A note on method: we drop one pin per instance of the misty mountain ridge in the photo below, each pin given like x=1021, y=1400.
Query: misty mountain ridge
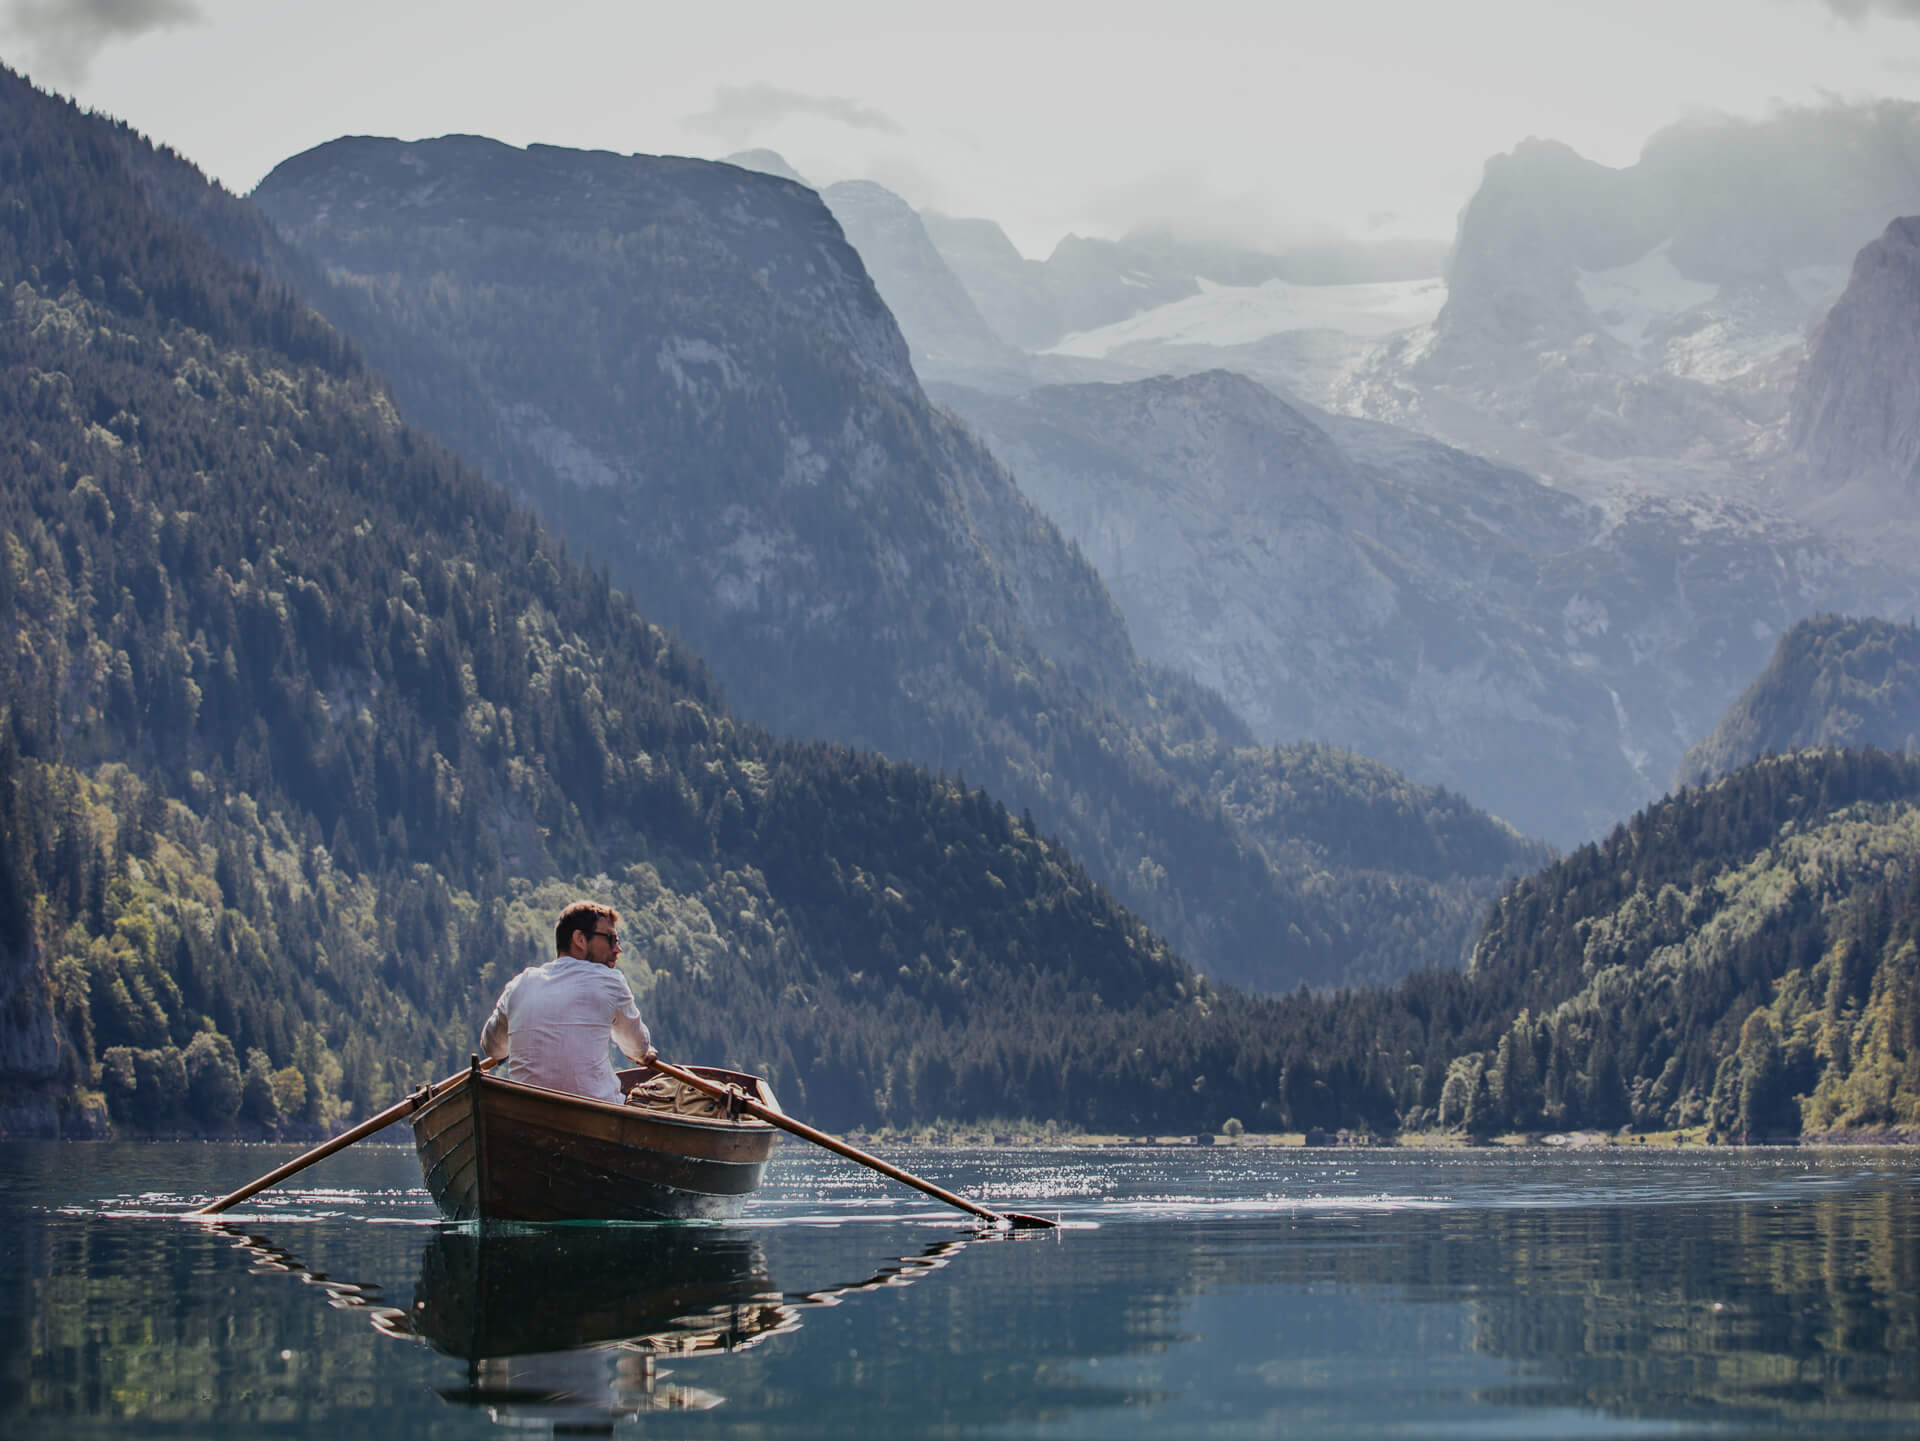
x=685, y=366
x=1635, y=329
x=1344, y=581
x=945, y=331
x=1600, y=699
x=1085, y=286
x=1642, y=328
x=1630, y=336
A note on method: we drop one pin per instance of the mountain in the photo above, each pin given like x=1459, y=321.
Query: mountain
x=1833, y=681
x=1633, y=330
x=767, y=162
x=308, y=731
x=944, y=331
x=1086, y=285
x=1740, y=959
x=1744, y=956
x=1657, y=312
x=1010, y=291
x=1855, y=420
x=686, y=369
x=1347, y=582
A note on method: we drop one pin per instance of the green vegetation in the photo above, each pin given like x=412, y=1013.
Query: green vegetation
x=1741, y=956
x=1833, y=681
x=307, y=732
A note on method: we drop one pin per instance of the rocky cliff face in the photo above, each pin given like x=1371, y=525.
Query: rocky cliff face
x=30, y=1080
x=687, y=365
x=1542, y=215
x=1655, y=313
x=1343, y=581
x=1856, y=408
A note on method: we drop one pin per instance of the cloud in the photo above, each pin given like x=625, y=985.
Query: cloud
x=1195, y=210
x=66, y=36
x=740, y=112
x=1859, y=10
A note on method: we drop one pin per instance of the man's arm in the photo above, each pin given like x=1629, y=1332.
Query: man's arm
x=629, y=1031
x=493, y=1035
x=630, y=1035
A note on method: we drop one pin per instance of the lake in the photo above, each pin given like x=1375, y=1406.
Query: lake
x=1207, y=1292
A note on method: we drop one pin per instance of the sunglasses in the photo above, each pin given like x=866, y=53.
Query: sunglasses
x=612, y=938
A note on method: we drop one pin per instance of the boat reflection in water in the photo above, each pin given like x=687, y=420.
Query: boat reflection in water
x=572, y=1324
x=535, y=1316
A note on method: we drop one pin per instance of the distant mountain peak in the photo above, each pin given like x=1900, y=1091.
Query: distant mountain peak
x=767, y=162
x=948, y=335
x=1856, y=410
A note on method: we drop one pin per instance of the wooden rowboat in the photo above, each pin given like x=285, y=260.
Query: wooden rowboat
x=499, y=1150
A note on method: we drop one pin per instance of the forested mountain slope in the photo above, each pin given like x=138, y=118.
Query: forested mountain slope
x=307, y=732
x=686, y=369
x=1833, y=681
x=1743, y=957
x=1745, y=954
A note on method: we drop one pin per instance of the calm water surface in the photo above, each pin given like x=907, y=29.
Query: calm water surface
x=1218, y=1293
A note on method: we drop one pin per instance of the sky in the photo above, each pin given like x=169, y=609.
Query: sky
x=1259, y=124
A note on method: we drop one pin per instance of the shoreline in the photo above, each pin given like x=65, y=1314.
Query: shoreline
x=959, y=1138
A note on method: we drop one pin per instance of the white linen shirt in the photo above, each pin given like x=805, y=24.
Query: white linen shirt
x=553, y=1022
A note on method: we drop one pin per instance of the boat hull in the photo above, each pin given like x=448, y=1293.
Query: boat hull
x=494, y=1150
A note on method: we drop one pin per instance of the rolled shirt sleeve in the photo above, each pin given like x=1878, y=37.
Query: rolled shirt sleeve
x=494, y=1034
x=629, y=1031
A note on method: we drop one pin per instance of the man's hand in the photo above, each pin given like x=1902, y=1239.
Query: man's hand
x=650, y=1057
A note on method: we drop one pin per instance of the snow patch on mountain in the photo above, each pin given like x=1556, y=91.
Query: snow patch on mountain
x=570, y=458
x=1223, y=315
x=1630, y=300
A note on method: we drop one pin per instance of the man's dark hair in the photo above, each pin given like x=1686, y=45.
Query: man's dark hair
x=580, y=916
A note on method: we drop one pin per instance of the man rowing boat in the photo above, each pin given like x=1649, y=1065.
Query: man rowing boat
x=553, y=1020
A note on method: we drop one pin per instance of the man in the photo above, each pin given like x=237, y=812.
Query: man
x=553, y=1020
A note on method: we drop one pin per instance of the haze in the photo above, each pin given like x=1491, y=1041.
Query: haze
x=1253, y=124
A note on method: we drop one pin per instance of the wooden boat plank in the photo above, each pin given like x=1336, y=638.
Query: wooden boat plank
x=626, y=1125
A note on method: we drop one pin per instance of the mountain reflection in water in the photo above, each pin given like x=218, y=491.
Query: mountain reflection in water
x=1211, y=1293
x=569, y=1324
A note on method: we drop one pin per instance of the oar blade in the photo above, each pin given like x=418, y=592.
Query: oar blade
x=1019, y=1221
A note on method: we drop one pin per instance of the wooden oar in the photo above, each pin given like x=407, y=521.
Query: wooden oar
x=338, y=1143
x=734, y=1096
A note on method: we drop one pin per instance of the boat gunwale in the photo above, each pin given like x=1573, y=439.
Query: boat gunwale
x=567, y=1100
